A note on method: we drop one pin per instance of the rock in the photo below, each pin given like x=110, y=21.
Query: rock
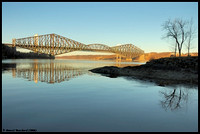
x=161, y=84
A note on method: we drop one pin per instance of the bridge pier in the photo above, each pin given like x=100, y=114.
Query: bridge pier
x=52, y=44
x=14, y=44
x=36, y=43
x=118, y=57
x=128, y=59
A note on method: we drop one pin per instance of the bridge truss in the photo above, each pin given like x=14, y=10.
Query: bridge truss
x=53, y=44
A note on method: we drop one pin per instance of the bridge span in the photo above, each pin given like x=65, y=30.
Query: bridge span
x=53, y=44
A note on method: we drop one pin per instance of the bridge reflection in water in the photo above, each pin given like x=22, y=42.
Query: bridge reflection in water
x=55, y=72
x=47, y=72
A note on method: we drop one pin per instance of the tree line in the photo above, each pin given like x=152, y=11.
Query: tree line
x=11, y=53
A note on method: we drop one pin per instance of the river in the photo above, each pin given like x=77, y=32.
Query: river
x=63, y=96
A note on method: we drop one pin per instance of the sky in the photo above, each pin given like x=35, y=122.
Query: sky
x=109, y=23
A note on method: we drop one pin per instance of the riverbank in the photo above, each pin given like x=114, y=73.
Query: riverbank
x=11, y=53
x=163, y=71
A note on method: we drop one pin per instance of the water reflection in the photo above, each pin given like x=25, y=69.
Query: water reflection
x=8, y=66
x=90, y=103
x=47, y=72
x=50, y=73
x=174, y=99
x=54, y=71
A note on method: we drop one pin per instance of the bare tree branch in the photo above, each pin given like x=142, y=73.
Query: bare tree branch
x=177, y=31
x=191, y=36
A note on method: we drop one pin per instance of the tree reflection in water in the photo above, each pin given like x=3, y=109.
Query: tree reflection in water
x=174, y=99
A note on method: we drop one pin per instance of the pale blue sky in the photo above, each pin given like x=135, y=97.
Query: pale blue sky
x=109, y=23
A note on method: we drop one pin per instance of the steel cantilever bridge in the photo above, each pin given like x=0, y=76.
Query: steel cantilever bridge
x=53, y=44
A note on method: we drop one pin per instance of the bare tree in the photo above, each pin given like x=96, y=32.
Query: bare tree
x=173, y=48
x=191, y=36
x=177, y=31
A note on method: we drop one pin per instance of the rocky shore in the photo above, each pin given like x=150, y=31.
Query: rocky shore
x=164, y=71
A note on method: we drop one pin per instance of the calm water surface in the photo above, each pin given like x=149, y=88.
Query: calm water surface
x=62, y=95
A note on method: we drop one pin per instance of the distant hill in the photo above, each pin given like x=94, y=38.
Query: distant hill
x=155, y=55
x=89, y=57
x=145, y=57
